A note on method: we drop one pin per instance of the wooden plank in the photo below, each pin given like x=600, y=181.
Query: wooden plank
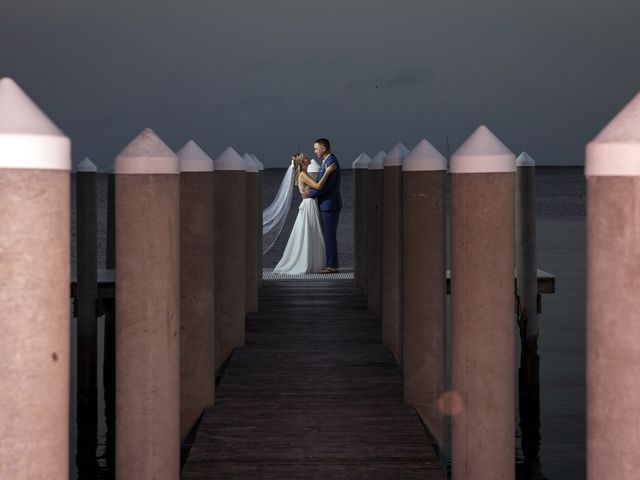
x=313, y=394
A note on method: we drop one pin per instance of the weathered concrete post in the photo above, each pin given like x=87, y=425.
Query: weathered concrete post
x=251, y=233
x=87, y=331
x=392, y=250
x=374, y=233
x=197, y=324
x=424, y=289
x=35, y=160
x=109, y=361
x=148, y=307
x=259, y=264
x=360, y=170
x=612, y=168
x=229, y=257
x=526, y=262
x=482, y=314
x=527, y=290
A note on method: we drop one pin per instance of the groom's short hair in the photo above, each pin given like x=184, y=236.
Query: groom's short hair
x=325, y=143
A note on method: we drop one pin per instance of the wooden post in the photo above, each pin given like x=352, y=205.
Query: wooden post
x=424, y=290
x=374, y=233
x=229, y=257
x=392, y=250
x=360, y=170
x=482, y=313
x=251, y=234
x=612, y=168
x=87, y=331
x=35, y=160
x=148, y=306
x=197, y=324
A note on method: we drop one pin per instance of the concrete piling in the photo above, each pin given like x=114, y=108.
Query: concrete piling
x=35, y=161
x=375, y=174
x=360, y=171
x=229, y=257
x=612, y=170
x=251, y=231
x=424, y=284
x=87, y=330
x=197, y=323
x=482, y=314
x=526, y=262
x=392, y=250
x=259, y=264
x=148, y=308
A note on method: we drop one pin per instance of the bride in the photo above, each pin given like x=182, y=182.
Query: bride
x=304, y=252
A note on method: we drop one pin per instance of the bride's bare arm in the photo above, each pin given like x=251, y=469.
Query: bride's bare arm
x=317, y=185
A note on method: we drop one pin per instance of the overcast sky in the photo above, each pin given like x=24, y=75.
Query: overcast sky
x=269, y=77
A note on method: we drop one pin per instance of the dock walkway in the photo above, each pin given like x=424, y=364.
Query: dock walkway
x=312, y=395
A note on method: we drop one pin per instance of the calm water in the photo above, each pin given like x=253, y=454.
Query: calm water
x=561, y=251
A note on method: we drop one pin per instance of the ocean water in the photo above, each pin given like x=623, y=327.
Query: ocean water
x=561, y=251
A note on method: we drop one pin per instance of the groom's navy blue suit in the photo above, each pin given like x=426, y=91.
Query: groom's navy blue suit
x=330, y=203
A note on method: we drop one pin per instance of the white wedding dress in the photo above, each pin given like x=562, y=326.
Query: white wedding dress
x=304, y=252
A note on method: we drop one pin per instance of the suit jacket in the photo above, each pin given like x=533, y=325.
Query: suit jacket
x=329, y=198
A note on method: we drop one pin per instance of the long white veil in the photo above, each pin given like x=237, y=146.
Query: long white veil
x=274, y=216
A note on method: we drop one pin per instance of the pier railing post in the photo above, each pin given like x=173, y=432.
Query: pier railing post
x=612, y=170
x=148, y=309
x=35, y=160
x=197, y=324
x=482, y=314
x=374, y=233
x=251, y=233
x=360, y=170
x=87, y=326
x=229, y=258
x=392, y=250
x=424, y=289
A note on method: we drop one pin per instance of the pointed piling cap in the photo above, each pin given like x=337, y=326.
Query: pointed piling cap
x=424, y=157
x=260, y=165
x=362, y=162
x=314, y=166
x=252, y=165
x=147, y=154
x=482, y=152
x=230, y=160
x=525, y=160
x=616, y=149
x=28, y=138
x=377, y=161
x=396, y=155
x=86, y=166
x=193, y=159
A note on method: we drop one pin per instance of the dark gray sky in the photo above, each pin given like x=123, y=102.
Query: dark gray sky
x=271, y=76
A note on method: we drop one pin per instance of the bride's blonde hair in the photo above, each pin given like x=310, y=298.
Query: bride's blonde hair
x=296, y=160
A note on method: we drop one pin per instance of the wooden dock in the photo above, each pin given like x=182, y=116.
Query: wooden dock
x=313, y=394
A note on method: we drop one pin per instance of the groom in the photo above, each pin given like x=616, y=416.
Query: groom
x=329, y=201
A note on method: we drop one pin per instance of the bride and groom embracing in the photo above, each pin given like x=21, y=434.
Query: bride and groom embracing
x=312, y=246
